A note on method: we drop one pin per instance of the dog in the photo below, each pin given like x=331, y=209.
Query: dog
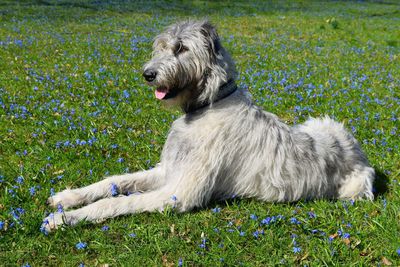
x=223, y=145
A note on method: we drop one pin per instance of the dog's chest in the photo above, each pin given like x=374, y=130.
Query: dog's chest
x=187, y=137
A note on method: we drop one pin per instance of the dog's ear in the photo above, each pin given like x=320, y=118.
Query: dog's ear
x=215, y=74
x=210, y=33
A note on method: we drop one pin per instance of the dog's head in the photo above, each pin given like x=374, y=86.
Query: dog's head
x=188, y=64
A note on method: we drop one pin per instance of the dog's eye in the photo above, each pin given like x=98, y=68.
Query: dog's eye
x=180, y=48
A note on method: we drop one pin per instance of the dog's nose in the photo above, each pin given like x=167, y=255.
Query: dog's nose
x=149, y=75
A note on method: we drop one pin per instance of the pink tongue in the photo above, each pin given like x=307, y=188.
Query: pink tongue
x=160, y=93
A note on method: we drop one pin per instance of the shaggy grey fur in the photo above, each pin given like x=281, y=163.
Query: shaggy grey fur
x=224, y=145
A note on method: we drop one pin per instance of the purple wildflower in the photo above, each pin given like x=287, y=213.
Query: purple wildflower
x=203, y=243
x=296, y=250
x=114, y=190
x=81, y=245
x=19, y=179
x=312, y=215
x=32, y=191
x=339, y=232
x=216, y=210
x=293, y=220
x=256, y=234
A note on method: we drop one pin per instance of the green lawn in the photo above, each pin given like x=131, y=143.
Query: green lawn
x=74, y=108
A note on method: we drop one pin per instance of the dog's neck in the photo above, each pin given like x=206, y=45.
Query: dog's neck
x=224, y=91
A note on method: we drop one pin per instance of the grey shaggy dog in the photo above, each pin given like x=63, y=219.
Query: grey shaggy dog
x=223, y=145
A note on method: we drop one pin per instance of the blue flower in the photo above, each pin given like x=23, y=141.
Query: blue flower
x=19, y=179
x=60, y=208
x=296, y=250
x=339, y=232
x=346, y=235
x=114, y=146
x=2, y=225
x=398, y=252
x=253, y=217
x=216, y=210
x=266, y=221
x=126, y=94
x=257, y=233
x=105, y=228
x=203, y=243
x=114, y=190
x=180, y=262
x=81, y=245
x=32, y=191
x=293, y=220
x=43, y=227
x=132, y=235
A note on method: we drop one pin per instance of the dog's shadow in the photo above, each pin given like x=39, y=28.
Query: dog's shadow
x=380, y=186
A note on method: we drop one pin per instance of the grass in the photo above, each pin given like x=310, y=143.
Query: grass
x=74, y=108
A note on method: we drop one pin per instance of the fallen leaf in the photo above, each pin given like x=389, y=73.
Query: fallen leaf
x=304, y=257
x=166, y=262
x=58, y=172
x=333, y=236
x=386, y=262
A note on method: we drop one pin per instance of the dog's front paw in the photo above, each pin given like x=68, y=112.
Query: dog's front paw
x=67, y=198
x=52, y=222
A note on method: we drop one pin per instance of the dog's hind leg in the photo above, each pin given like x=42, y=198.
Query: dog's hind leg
x=358, y=184
x=110, y=186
